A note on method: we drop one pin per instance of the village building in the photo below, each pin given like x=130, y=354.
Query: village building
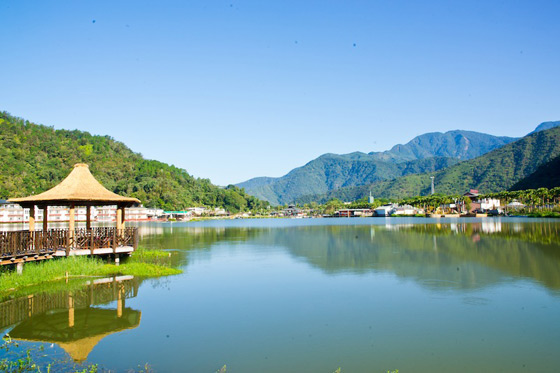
x=480, y=204
x=406, y=210
x=294, y=211
x=350, y=213
x=385, y=210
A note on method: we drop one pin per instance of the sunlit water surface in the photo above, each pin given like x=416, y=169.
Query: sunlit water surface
x=312, y=295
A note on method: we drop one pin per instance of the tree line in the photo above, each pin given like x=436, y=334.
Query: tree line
x=37, y=157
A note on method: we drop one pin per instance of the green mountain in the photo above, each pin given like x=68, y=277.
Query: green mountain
x=546, y=176
x=426, y=153
x=455, y=144
x=545, y=126
x=533, y=156
x=36, y=157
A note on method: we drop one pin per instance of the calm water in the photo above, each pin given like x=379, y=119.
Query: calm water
x=311, y=295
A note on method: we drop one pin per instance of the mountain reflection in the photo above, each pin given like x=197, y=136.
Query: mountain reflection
x=73, y=319
x=449, y=255
x=465, y=256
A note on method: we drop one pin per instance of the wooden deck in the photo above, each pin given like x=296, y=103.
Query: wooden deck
x=25, y=246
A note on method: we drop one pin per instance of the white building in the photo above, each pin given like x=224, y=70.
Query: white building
x=405, y=210
x=489, y=204
x=385, y=210
x=197, y=210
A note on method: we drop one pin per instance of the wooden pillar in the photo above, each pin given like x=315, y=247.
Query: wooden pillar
x=123, y=218
x=88, y=217
x=32, y=218
x=30, y=305
x=70, y=310
x=119, y=218
x=71, y=224
x=120, y=301
x=45, y=218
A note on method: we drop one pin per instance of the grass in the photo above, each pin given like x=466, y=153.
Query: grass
x=143, y=263
x=544, y=214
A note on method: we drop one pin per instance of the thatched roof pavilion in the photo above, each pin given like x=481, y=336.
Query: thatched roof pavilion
x=79, y=188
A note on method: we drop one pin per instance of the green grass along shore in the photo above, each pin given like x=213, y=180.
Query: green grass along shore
x=143, y=263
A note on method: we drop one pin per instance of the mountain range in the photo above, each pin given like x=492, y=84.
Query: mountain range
x=429, y=152
x=530, y=162
x=395, y=172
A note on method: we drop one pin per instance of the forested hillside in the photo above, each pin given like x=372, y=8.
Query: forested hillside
x=36, y=157
x=457, y=144
x=333, y=171
x=546, y=176
x=493, y=172
x=425, y=153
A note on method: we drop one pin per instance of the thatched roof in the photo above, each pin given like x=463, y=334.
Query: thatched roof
x=91, y=326
x=79, y=187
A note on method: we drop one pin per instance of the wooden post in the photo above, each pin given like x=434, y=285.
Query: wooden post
x=30, y=305
x=120, y=301
x=71, y=224
x=31, y=231
x=123, y=218
x=91, y=241
x=32, y=218
x=70, y=310
x=45, y=218
x=115, y=241
x=44, y=241
x=119, y=218
x=88, y=217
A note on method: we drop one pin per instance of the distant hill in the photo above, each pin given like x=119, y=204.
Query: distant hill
x=547, y=176
x=426, y=153
x=545, y=126
x=457, y=144
x=36, y=157
x=531, y=158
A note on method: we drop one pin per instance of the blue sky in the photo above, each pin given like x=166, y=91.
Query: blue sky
x=231, y=90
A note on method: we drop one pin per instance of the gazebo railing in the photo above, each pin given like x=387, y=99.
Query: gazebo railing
x=22, y=243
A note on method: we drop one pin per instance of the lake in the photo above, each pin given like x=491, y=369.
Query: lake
x=312, y=295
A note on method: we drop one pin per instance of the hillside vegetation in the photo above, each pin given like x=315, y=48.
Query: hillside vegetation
x=498, y=170
x=546, y=176
x=426, y=153
x=36, y=157
x=457, y=144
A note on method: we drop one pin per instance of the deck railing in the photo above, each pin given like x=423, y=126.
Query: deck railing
x=25, y=243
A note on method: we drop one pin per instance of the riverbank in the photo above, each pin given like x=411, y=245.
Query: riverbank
x=143, y=263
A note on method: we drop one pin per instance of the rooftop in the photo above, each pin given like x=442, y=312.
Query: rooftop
x=78, y=187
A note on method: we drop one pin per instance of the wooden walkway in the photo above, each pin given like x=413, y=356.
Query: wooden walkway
x=25, y=246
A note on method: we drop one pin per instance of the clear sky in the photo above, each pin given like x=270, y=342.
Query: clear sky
x=231, y=90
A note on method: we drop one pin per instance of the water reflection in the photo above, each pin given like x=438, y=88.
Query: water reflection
x=452, y=254
x=76, y=320
x=464, y=256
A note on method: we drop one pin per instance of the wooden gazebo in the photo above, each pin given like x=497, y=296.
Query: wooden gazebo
x=79, y=188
